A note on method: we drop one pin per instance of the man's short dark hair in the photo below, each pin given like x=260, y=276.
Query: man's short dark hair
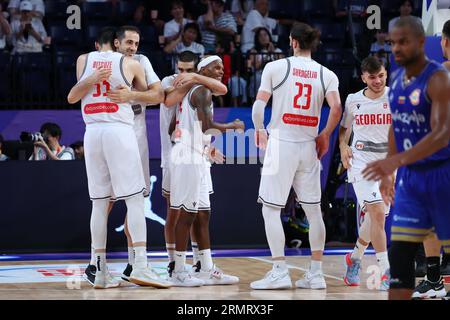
x=412, y=23
x=307, y=36
x=188, y=56
x=371, y=65
x=176, y=3
x=52, y=128
x=76, y=144
x=106, y=36
x=446, y=29
x=120, y=33
x=402, y=2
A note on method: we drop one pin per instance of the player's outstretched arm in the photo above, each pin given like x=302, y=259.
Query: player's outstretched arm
x=83, y=87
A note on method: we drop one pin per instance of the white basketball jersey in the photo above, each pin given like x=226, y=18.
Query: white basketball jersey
x=298, y=87
x=96, y=107
x=370, y=120
x=165, y=117
x=188, y=127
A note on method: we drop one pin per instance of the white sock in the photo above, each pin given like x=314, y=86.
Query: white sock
x=383, y=261
x=92, y=255
x=358, y=250
x=140, y=257
x=170, y=247
x=316, y=226
x=136, y=218
x=274, y=231
x=131, y=255
x=279, y=265
x=195, y=257
x=205, y=259
x=180, y=260
x=100, y=261
x=315, y=266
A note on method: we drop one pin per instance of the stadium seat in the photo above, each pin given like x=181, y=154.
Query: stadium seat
x=62, y=35
x=291, y=9
x=331, y=33
x=317, y=9
x=33, y=71
x=65, y=72
x=97, y=10
x=126, y=10
x=6, y=71
x=56, y=10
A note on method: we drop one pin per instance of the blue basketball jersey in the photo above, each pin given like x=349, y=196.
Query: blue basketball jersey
x=411, y=111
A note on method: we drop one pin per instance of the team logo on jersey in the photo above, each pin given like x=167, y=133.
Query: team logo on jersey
x=414, y=97
x=194, y=204
x=358, y=106
x=374, y=194
x=359, y=145
x=385, y=105
x=401, y=100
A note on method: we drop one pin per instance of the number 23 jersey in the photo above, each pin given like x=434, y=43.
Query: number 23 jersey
x=298, y=86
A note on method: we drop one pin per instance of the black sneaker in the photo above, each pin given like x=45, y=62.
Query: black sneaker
x=127, y=272
x=447, y=297
x=427, y=289
x=89, y=273
x=445, y=265
x=170, y=268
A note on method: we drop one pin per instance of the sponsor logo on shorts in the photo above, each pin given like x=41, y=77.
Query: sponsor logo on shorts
x=359, y=146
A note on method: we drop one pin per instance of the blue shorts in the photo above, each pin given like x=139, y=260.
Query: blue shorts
x=422, y=204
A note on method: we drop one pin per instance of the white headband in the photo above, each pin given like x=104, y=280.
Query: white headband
x=207, y=61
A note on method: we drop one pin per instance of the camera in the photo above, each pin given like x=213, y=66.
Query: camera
x=30, y=137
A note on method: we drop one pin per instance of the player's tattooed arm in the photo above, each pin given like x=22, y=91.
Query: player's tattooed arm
x=82, y=88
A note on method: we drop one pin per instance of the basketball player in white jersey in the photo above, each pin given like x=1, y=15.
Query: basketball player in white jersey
x=188, y=168
x=112, y=157
x=175, y=88
x=298, y=85
x=368, y=115
x=127, y=43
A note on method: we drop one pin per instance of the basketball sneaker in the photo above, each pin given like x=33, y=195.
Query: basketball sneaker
x=89, y=273
x=147, y=277
x=351, y=277
x=312, y=281
x=104, y=280
x=427, y=289
x=273, y=280
x=127, y=272
x=215, y=276
x=385, y=279
x=185, y=279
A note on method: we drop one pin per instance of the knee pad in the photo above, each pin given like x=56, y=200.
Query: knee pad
x=401, y=260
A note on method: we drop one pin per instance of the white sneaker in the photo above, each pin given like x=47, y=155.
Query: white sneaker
x=104, y=280
x=273, y=280
x=312, y=281
x=185, y=279
x=215, y=276
x=147, y=277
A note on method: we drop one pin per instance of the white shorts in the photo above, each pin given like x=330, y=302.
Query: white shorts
x=140, y=129
x=286, y=165
x=189, y=183
x=368, y=192
x=113, y=164
x=165, y=182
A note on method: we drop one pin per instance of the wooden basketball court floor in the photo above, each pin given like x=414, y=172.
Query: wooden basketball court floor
x=61, y=279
